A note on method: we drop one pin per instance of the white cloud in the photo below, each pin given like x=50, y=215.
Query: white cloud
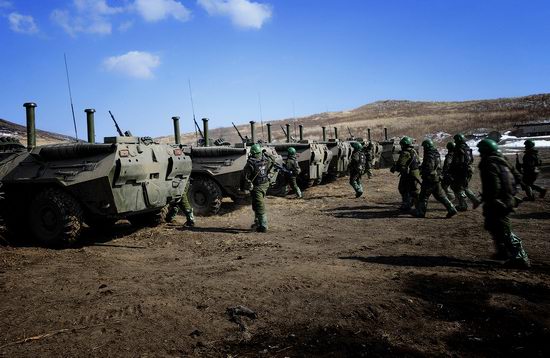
x=243, y=13
x=134, y=64
x=23, y=24
x=125, y=26
x=86, y=16
x=5, y=4
x=156, y=10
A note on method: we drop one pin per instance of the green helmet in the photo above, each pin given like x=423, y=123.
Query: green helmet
x=427, y=143
x=291, y=151
x=459, y=138
x=451, y=146
x=255, y=149
x=529, y=143
x=356, y=145
x=406, y=142
x=487, y=146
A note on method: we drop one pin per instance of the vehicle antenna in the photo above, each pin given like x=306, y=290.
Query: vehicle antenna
x=192, y=107
x=70, y=96
x=261, y=116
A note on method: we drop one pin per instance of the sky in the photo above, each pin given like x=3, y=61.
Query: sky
x=260, y=59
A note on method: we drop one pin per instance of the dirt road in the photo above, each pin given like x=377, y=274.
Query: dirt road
x=335, y=276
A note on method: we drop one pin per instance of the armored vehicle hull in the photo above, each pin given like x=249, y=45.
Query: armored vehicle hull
x=50, y=190
x=341, y=156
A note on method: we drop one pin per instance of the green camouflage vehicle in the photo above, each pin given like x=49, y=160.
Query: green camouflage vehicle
x=49, y=191
x=341, y=156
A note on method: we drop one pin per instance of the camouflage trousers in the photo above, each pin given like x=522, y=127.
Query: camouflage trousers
x=428, y=188
x=294, y=186
x=408, y=188
x=355, y=181
x=506, y=242
x=462, y=192
x=368, y=172
x=530, y=186
x=184, y=205
x=258, y=194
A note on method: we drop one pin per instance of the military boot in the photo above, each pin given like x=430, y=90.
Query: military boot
x=451, y=210
x=262, y=223
x=299, y=194
x=473, y=198
x=518, y=256
x=190, y=218
x=255, y=224
x=530, y=196
x=421, y=209
x=405, y=203
x=462, y=203
x=172, y=213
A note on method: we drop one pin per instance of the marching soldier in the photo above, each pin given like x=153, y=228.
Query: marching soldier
x=408, y=168
x=357, y=168
x=431, y=165
x=256, y=179
x=461, y=171
x=183, y=205
x=530, y=168
x=369, y=156
x=498, y=183
x=446, y=178
x=291, y=164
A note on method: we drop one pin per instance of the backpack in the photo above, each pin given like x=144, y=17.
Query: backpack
x=508, y=185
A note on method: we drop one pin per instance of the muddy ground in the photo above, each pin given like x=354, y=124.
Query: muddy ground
x=334, y=276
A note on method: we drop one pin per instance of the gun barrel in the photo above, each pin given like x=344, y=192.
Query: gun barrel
x=116, y=125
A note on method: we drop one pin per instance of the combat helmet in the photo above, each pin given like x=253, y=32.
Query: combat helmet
x=451, y=146
x=255, y=149
x=406, y=142
x=291, y=151
x=487, y=146
x=529, y=143
x=427, y=143
x=459, y=138
x=356, y=145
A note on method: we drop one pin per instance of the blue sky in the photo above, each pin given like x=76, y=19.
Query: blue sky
x=135, y=57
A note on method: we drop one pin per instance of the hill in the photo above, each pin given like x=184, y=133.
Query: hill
x=8, y=128
x=413, y=118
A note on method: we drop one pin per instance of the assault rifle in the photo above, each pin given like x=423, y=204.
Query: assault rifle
x=282, y=169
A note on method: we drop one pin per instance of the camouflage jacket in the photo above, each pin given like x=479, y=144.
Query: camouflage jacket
x=447, y=164
x=499, y=181
x=531, y=161
x=292, y=164
x=256, y=171
x=431, y=165
x=462, y=161
x=369, y=154
x=407, y=163
x=358, y=162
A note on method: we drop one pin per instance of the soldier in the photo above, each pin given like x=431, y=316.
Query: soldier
x=357, y=168
x=461, y=171
x=446, y=178
x=291, y=164
x=431, y=165
x=498, y=184
x=256, y=179
x=183, y=205
x=530, y=168
x=408, y=167
x=369, y=155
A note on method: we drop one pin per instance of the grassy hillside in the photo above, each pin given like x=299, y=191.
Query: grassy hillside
x=8, y=128
x=415, y=119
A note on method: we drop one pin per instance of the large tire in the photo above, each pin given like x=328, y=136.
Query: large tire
x=152, y=218
x=55, y=218
x=205, y=196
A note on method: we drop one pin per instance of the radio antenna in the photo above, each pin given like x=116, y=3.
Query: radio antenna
x=261, y=116
x=192, y=107
x=70, y=95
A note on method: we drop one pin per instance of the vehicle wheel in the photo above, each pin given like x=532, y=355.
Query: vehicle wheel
x=280, y=188
x=205, y=196
x=55, y=217
x=152, y=218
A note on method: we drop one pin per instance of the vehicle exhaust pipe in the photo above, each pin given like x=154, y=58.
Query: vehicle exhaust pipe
x=335, y=132
x=268, y=132
x=368, y=133
x=301, y=129
x=253, y=132
x=31, y=129
x=288, y=133
x=324, y=134
x=385, y=133
x=177, y=134
x=91, y=124
x=205, y=131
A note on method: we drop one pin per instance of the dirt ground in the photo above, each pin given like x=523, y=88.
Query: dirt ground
x=334, y=276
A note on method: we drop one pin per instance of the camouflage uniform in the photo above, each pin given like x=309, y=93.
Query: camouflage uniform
x=408, y=168
x=183, y=205
x=530, y=169
x=431, y=184
x=256, y=179
x=369, y=156
x=461, y=172
x=498, y=181
x=356, y=170
x=292, y=164
x=446, y=179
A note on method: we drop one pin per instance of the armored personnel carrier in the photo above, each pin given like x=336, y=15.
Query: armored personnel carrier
x=49, y=191
x=217, y=171
x=341, y=155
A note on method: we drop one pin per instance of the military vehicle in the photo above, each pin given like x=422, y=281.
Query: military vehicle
x=341, y=155
x=217, y=171
x=386, y=151
x=49, y=191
